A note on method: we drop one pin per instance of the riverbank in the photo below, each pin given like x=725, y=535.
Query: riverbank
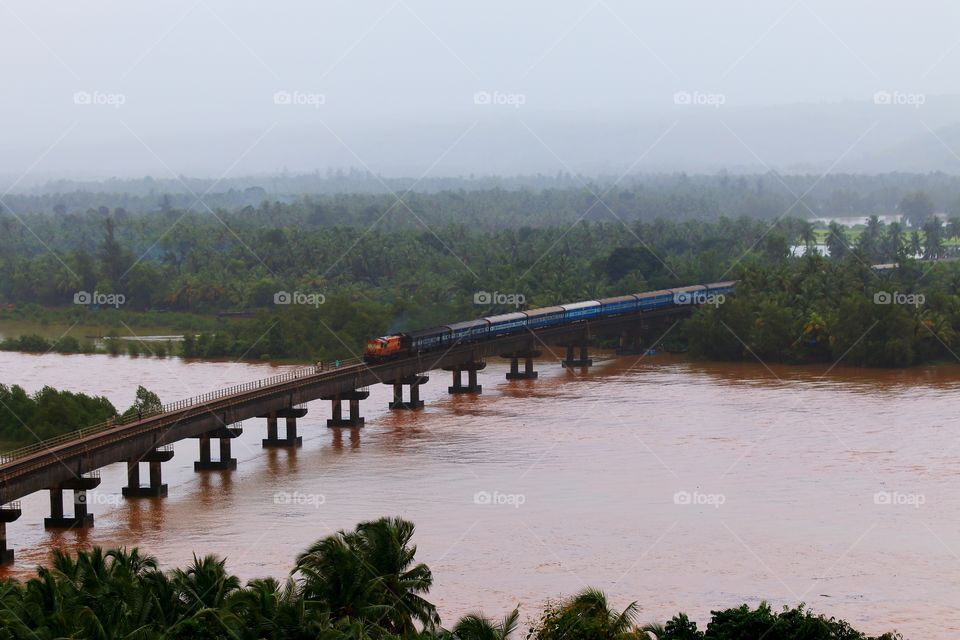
x=87, y=323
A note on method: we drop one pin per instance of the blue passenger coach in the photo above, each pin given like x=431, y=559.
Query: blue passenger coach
x=469, y=331
x=655, y=299
x=616, y=306
x=545, y=317
x=580, y=311
x=429, y=339
x=507, y=323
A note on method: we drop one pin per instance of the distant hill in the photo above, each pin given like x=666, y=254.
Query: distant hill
x=925, y=152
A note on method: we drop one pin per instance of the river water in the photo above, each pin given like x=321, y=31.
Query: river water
x=684, y=486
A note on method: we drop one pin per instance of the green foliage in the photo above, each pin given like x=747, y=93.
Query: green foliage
x=114, y=346
x=145, y=403
x=67, y=344
x=25, y=419
x=29, y=343
x=744, y=623
x=33, y=343
x=476, y=626
x=586, y=615
x=680, y=627
x=370, y=573
x=814, y=309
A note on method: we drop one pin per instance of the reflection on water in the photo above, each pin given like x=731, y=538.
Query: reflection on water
x=683, y=485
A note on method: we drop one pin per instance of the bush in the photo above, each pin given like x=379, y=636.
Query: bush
x=33, y=344
x=743, y=623
x=67, y=344
x=113, y=346
x=48, y=413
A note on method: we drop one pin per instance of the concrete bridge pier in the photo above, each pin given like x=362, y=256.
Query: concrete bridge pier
x=414, y=382
x=8, y=513
x=291, y=438
x=528, y=373
x=471, y=368
x=584, y=359
x=631, y=343
x=226, y=462
x=81, y=518
x=156, y=488
x=354, y=418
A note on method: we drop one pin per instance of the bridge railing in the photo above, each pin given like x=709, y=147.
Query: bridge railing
x=179, y=405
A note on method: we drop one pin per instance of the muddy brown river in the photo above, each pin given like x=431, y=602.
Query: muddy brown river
x=682, y=485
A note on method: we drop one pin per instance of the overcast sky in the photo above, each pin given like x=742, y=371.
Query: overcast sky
x=222, y=86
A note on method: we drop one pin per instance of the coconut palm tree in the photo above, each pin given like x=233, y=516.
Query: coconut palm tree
x=587, y=616
x=837, y=243
x=808, y=235
x=894, y=240
x=869, y=240
x=933, y=238
x=369, y=574
x=916, y=246
x=397, y=582
x=331, y=576
x=680, y=627
x=205, y=583
x=269, y=609
x=476, y=626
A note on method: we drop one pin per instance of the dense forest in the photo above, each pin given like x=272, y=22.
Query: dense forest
x=816, y=310
x=363, y=584
x=314, y=279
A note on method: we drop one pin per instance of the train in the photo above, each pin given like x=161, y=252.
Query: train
x=439, y=338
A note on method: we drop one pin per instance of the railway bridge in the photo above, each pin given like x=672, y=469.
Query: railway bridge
x=71, y=462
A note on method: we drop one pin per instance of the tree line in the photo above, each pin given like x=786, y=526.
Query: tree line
x=513, y=200
x=29, y=418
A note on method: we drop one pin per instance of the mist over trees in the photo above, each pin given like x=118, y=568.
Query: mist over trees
x=360, y=197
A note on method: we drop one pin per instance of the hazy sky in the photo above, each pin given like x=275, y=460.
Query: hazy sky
x=217, y=86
